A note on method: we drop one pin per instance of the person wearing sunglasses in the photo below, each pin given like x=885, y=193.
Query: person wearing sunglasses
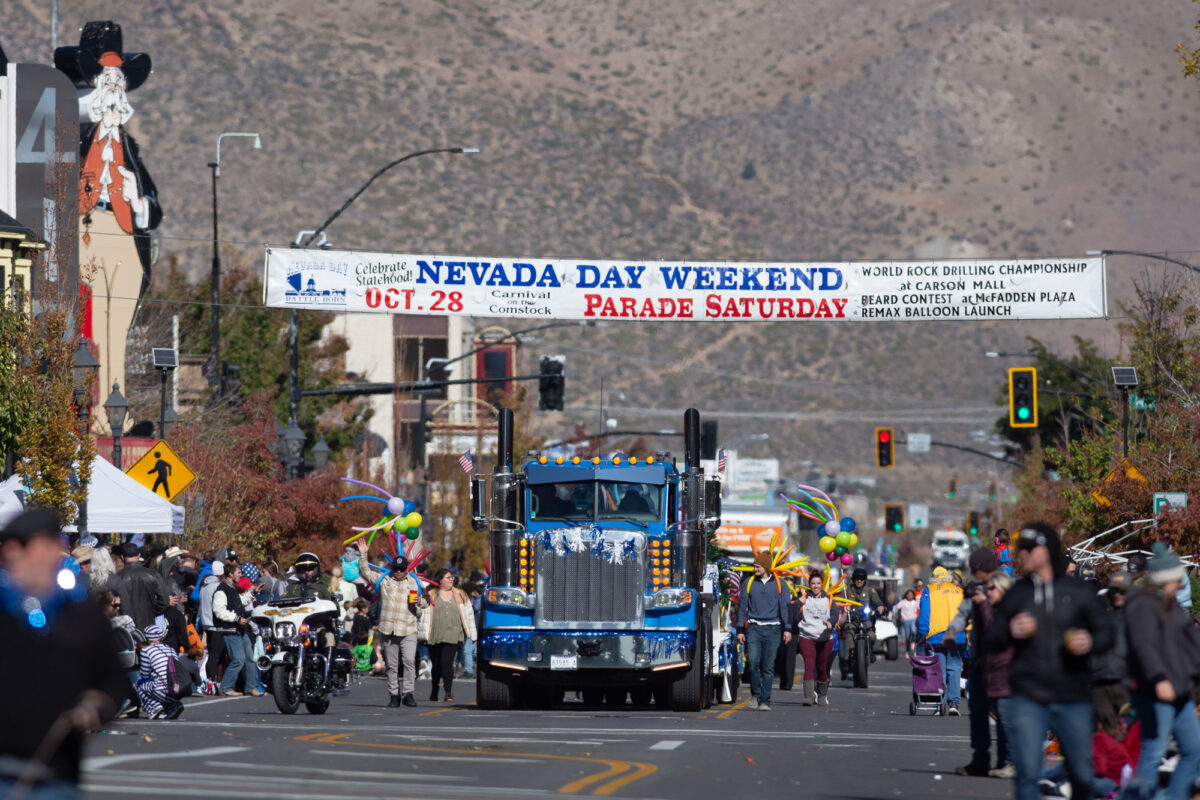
x=1053, y=623
x=1111, y=670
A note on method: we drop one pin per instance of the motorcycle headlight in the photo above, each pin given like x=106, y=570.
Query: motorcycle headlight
x=285, y=630
x=671, y=597
x=509, y=597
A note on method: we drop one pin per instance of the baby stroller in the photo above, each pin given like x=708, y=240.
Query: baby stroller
x=929, y=686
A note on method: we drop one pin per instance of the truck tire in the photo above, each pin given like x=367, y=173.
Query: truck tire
x=686, y=693
x=592, y=696
x=493, y=691
x=862, y=660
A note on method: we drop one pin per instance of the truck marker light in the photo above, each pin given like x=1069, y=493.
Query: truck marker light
x=558, y=460
x=596, y=460
x=616, y=459
x=632, y=461
x=650, y=459
x=542, y=460
x=575, y=460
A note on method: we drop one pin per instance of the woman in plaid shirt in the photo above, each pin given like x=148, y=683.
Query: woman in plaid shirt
x=400, y=604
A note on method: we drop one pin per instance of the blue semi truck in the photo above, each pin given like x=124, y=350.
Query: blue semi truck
x=600, y=582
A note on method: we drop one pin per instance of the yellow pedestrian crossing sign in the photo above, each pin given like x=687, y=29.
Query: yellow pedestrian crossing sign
x=161, y=471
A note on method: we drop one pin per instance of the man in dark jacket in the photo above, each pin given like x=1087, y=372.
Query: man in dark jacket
x=1110, y=670
x=762, y=617
x=1164, y=666
x=60, y=669
x=1053, y=623
x=143, y=591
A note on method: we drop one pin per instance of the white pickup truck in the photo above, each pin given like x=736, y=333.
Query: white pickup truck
x=950, y=549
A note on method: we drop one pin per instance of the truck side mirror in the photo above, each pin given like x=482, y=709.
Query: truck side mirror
x=479, y=502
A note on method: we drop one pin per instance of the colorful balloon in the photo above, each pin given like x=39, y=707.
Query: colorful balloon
x=827, y=543
x=848, y=524
x=839, y=550
x=400, y=524
x=832, y=556
x=414, y=519
x=411, y=533
x=395, y=506
x=853, y=540
x=843, y=539
x=847, y=559
x=409, y=506
x=832, y=528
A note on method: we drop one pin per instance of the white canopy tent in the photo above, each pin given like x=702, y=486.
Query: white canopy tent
x=116, y=504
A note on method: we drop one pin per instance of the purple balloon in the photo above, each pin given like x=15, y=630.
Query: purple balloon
x=847, y=559
x=833, y=528
x=395, y=506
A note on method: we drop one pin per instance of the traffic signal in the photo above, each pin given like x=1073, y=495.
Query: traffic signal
x=972, y=523
x=1022, y=397
x=992, y=492
x=893, y=518
x=551, y=382
x=952, y=489
x=885, y=447
x=708, y=439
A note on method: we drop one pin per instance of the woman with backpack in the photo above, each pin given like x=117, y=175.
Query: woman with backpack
x=158, y=671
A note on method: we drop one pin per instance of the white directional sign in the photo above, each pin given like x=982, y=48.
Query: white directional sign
x=918, y=515
x=1170, y=500
x=919, y=442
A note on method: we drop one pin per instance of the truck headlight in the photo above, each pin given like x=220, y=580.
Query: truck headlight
x=671, y=597
x=510, y=597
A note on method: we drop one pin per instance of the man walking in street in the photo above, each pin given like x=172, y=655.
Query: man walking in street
x=143, y=591
x=400, y=603
x=1053, y=623
x=939, y=604
x=762, y=624
x=230, y=621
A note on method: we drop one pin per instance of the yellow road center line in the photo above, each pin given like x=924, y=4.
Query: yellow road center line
x=729, y=713
x=435, y=713
x=614, y=777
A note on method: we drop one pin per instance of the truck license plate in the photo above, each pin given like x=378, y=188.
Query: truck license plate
x=564, y=662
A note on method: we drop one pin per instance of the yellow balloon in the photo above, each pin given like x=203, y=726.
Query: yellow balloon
x=414, y=519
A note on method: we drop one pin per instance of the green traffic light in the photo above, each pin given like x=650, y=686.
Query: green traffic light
x=974, y=531
x=1023, y=413
x=898, y=528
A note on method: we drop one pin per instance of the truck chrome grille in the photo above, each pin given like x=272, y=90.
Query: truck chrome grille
x=579, y=588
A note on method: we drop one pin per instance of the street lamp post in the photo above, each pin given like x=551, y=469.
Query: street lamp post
x=293, y=446
x=83, y=372
x=294, y=319
x=215, y=374
x=116, y=407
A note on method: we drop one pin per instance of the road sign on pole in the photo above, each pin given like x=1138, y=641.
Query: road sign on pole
x=918, y=515
x=919, y=442
x=1170, y=500
x=161, y=471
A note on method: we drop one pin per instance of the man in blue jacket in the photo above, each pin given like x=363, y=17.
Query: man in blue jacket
x=762, y=622
x=939, y=604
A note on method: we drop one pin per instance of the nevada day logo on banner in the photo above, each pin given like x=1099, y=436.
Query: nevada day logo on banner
x=316, y=283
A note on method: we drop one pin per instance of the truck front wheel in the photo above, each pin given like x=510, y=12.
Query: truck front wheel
x=493, y=690
x=686, y=692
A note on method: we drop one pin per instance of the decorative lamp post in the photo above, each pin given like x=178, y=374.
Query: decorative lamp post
x=169, y=418
x=117, y=408
x=320, y=452
x=83, y=372
x=293, y=446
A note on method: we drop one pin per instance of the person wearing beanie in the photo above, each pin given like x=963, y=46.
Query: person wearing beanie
x=1053, y=623
x=762, y=622
x=401, y=601
x=1164, y=666
x=153, y=686
x=1110, y=671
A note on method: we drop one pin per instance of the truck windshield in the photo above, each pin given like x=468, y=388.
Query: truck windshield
x=592, y=501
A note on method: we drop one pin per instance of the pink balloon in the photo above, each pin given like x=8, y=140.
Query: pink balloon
x=832, y=556
x=847, y=559
x=395, y=506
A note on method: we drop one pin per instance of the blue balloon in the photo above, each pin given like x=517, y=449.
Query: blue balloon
x=848, y=524
x=409, y=506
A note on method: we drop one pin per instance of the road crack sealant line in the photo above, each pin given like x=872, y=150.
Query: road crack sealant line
x=617, y=775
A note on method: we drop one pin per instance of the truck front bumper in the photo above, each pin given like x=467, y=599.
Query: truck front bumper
x=575, y=651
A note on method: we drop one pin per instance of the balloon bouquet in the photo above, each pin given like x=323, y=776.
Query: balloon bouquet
x=839, y=537
x=400, y=529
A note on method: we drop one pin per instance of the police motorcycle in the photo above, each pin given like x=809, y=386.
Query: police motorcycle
x=302, y=662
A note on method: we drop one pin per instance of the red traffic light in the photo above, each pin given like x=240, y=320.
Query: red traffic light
x=885, y=436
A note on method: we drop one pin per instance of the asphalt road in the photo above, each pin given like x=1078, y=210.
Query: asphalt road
x=865, y=745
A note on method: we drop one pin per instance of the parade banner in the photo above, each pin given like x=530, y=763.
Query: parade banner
x=478, y=286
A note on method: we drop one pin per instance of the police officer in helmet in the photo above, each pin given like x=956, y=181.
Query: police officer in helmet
x=308, y=580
